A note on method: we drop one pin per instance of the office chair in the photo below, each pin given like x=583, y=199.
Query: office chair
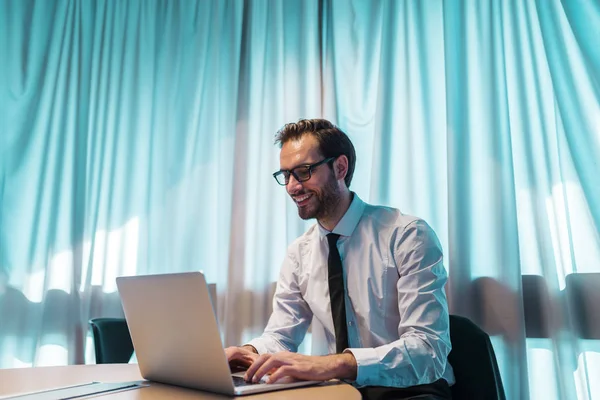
x=474, y=362
x=112, y=342
x=583, y=297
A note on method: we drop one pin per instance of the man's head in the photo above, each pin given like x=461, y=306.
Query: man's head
x=332, y=141
x=317, y=162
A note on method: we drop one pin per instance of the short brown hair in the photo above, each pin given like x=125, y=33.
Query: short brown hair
x=333, y=142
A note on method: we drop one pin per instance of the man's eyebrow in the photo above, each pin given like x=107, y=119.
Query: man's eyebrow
x=298, y=165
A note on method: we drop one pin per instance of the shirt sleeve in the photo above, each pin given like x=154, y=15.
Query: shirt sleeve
x=420, y=354
x=291, y=315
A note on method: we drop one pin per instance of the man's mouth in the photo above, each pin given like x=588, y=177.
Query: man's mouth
x=302, y=199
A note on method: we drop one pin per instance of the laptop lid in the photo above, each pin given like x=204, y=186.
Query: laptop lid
x=174, y=330
x=175, y=334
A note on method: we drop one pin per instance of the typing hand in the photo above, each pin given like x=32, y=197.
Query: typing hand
x=299, y=366
x=240, y=356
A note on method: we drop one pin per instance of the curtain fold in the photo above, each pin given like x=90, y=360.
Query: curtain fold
x=137, y=137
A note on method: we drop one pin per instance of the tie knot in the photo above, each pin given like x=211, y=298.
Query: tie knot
x=332, y=238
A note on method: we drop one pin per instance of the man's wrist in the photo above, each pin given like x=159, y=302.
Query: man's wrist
x=347, y=367
x=251, y=348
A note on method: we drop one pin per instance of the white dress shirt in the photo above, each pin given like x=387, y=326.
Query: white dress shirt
x=396, y=307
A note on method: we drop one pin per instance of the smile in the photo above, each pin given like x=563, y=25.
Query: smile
x=301, y=200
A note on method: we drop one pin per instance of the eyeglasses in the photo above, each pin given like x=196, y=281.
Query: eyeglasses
x=302, y=173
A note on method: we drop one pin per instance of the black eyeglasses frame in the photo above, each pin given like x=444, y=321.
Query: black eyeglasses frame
x=309, y=167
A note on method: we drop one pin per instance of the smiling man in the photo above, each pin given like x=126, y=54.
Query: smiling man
x=372, y=276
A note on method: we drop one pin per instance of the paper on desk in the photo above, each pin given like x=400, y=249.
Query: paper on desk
x=76, y=392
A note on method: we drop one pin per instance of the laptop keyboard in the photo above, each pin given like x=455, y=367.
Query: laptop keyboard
x=239, y=381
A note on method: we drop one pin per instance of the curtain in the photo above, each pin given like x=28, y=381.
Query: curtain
x=137, y=137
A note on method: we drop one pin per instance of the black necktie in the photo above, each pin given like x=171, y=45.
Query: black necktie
x=336, y=294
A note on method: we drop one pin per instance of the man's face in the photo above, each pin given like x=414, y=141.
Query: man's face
x=318, y=196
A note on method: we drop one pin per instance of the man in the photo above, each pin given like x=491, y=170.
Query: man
x=371, y=275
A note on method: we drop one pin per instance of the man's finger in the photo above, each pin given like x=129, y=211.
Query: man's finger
x=283, y=371
x=256, y=364
x=241, y=363
x=268, y=365
x=239, y=359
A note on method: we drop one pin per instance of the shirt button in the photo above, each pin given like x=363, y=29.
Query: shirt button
x=350, y=323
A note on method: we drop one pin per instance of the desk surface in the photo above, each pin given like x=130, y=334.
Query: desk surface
x=13, y=381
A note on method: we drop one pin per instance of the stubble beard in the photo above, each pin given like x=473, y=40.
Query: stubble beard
x=327, y=200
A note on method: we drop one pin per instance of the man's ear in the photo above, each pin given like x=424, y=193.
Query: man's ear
x=340, y=167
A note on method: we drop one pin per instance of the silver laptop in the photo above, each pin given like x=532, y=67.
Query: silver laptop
x=176, y=337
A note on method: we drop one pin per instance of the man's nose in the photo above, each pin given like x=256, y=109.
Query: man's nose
x=293, y=185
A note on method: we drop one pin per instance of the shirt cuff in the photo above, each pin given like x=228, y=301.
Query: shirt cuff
x=367, y=362
x=258, y=345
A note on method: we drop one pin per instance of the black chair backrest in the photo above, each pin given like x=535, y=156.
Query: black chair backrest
x=474, y=362
x=112, y=341
x=583, y=297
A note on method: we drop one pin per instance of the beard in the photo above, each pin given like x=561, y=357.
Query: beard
x=326, y=199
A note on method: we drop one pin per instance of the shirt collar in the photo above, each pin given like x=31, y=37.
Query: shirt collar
x=349, y=221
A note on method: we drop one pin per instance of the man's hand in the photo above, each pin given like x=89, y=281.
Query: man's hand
x=241, y=356
x=312, y=368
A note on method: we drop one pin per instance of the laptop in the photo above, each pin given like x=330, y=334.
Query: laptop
x=176, y=337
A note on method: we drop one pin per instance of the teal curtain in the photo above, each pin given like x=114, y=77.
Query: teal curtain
x=137, y=137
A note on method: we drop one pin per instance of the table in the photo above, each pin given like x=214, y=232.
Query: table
x=13, y=381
